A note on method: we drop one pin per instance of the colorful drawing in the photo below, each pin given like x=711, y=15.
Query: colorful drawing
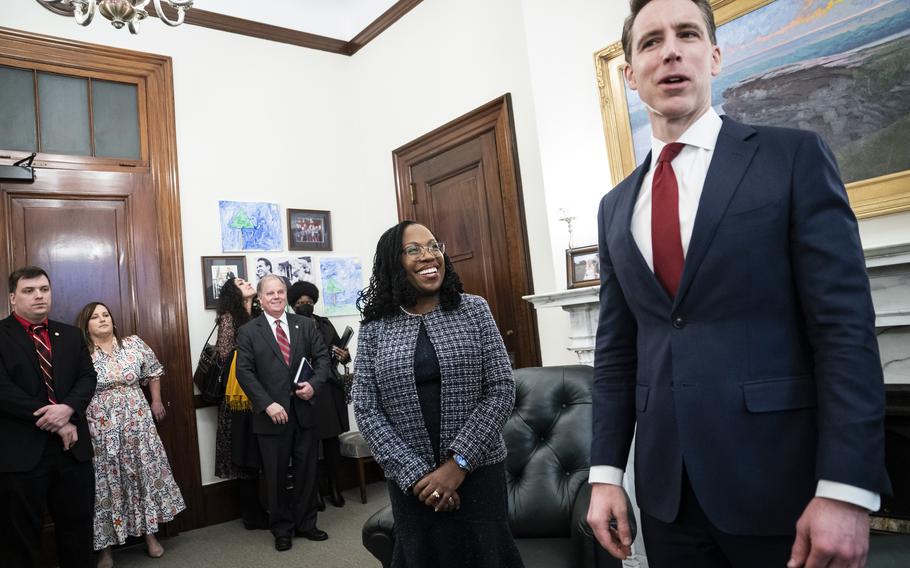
x=342, y=280
x=249, y=226
x=839, y=68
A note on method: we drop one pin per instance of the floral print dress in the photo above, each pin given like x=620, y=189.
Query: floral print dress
x=134, y=487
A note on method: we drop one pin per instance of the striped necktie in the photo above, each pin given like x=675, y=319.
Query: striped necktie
x=44, y=360
x=283, y=342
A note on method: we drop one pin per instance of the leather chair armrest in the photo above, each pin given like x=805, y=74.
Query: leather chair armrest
x=378, y=535
x=589, y=553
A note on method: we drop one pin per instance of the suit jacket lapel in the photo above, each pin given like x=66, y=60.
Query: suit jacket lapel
x=53, y=332
x=21, y=338
x=268, y=335
x=296, y=338
x=626, y=210
x=732, y=155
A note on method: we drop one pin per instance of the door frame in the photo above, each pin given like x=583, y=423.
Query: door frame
x=156, y=72
x=495, y=116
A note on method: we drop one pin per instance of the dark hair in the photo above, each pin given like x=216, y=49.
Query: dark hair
x=85, y=314
x=265, y=261
x=389, y=288
x=230, y=301
x=636, y=6
x=25, y=272
x=302, y=288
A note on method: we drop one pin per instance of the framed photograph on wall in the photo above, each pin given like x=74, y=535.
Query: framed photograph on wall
x=216, y=270
x=582, y=267
x=309, y=229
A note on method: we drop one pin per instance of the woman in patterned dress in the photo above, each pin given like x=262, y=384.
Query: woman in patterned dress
x=134, y=487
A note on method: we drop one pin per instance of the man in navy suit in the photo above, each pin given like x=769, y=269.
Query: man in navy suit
x=736, y=337
x=46, y=381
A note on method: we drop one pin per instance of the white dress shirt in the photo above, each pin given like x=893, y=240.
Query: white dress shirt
x=284, y=325
x=691, y=169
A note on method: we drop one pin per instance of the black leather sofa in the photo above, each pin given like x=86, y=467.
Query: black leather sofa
x=549, y=439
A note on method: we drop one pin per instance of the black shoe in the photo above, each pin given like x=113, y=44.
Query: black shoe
x=283, y=543
x=336, y=498
x=320, y=502
x=312, y=534
x=256, y=522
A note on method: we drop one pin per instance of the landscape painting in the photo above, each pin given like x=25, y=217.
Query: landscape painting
x=838, y=67
x=342, y=279
x=250, y=226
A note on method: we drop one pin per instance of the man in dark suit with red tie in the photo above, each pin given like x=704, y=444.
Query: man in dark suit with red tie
x=736, y=336
x=46, y=381
x=270, y=350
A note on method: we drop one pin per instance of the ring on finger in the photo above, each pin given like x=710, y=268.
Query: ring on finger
x=435, y=495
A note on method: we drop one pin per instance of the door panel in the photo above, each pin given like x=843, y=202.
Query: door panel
x=83, y=244
x=462, y=184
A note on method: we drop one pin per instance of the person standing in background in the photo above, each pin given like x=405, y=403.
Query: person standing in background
x=46, y=382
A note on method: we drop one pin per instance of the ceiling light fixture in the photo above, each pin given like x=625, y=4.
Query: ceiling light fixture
x=120, y=12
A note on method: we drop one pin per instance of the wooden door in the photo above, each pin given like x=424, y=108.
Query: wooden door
x=461, y=181
x=109, y=229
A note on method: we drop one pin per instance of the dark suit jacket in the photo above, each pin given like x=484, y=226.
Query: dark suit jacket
x=22, y=392
x=763, y=374
x=265, y=377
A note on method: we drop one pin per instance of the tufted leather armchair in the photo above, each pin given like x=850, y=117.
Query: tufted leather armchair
x=548, y=438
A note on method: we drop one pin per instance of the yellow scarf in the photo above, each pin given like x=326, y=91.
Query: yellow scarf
x=234, y=396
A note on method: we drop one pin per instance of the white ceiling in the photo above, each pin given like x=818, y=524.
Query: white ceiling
x=339, y=19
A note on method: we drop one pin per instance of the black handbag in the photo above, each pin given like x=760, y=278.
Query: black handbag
x=210, y=377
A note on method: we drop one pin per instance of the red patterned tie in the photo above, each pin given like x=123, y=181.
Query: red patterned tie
x=44, y=360
x=665, y=238
x=283, y=342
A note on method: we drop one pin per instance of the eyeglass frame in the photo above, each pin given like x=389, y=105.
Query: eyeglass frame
x=440, y=250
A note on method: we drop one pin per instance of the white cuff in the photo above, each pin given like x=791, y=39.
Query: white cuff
x=847, y=493
x=605, y=474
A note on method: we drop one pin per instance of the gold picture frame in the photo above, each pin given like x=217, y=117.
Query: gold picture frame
x=871, y=197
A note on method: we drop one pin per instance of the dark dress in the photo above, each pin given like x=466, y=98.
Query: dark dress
x=331, y=410
x=475, y=536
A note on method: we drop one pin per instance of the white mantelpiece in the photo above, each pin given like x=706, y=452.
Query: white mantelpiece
x=582, y=305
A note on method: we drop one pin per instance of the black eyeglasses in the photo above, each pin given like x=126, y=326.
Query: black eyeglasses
x=415, y=251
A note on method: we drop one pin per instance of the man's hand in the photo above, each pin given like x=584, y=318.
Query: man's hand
x=158, y=410
x=832, y=534
x=53, y=416
x=437, y=487
x=277, y=413
x=610, y=502
x=305, y=391
x=69, y=435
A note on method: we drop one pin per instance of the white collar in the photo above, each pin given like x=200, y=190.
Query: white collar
x=702, y=134
x=271, y=320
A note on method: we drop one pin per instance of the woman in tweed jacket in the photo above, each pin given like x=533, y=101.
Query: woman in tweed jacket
x=433, y=387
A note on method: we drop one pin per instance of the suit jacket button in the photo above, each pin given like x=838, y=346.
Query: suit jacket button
x=679, y=322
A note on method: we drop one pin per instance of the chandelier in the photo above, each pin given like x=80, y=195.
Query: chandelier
x=122, y=12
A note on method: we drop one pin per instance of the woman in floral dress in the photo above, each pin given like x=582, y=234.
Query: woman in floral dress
x=134, y=487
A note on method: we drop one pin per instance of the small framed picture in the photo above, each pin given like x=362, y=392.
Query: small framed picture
x=216, y=270
x=309, y=229
x=582, y=267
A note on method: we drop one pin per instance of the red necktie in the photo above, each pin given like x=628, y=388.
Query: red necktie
x=283, y=342
x=44, y=360
x=665, y=238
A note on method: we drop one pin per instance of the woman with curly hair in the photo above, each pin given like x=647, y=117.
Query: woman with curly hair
x=236, y=449
x=432, y=390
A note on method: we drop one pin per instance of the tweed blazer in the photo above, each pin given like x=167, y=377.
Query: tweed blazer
x=477, y=391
